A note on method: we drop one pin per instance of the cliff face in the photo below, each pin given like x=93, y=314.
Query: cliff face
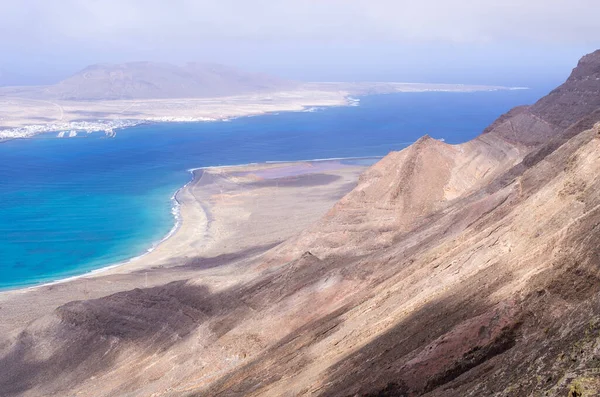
x=576, y=98
x=561, y=108
x=460, y=270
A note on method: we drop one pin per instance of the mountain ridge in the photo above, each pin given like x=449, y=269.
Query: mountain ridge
x=565, y=105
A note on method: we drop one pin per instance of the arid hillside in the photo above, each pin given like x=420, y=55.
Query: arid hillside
x=450, y=270
x=561, y=108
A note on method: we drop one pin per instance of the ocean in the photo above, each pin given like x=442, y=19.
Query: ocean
x=72, y=205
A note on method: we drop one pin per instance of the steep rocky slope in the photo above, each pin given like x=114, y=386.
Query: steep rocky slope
x=575, y=99
x=467, y=270
x=395, y=195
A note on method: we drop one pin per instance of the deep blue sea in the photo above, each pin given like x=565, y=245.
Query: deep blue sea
x=68, y=206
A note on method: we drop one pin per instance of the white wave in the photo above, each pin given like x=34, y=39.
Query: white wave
x=167, y=119
x=353, y=101
x=323, y=159
x=312, y=109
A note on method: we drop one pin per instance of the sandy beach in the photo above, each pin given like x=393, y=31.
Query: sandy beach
x=221, y=211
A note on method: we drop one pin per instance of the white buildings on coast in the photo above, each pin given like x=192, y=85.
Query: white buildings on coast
x=70, y=129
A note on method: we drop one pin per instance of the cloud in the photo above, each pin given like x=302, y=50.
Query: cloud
x=125, y=23
x=428, y=40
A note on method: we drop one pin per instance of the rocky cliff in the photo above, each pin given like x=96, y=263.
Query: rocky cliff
x=551, y=115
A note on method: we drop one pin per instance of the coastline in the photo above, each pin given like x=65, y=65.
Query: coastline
x=185, y=110
x=110, y=127
x=216, y=241
x=21, y=116
x=175, y=210
x=177, y=216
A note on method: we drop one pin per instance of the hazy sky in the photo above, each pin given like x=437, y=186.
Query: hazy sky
x=471, y=41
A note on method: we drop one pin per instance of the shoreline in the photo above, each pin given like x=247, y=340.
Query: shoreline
x=110, y=130
x=117, y=114
x=275, y=162
x=110, y=125
x=229, y=221
x=176, y=212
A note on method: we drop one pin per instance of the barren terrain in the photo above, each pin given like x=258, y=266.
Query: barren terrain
x=447, y=270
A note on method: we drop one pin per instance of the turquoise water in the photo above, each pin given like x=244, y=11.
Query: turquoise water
x=68, y=206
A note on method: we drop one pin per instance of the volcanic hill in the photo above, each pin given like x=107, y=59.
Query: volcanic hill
x=152, y=80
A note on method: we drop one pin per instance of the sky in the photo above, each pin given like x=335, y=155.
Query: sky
x=510, y=42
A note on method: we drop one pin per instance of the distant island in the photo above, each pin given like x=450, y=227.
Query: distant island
x=105, y=97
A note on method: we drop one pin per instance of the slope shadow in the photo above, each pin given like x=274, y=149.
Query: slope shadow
x=373, y=368
x=196, y=263
x=82, y=339
x=382, y=368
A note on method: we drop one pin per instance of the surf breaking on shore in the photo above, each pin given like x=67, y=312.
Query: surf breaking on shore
x=293, y=168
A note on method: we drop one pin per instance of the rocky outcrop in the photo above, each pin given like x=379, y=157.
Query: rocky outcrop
x=576, y=98
x=550, y=116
